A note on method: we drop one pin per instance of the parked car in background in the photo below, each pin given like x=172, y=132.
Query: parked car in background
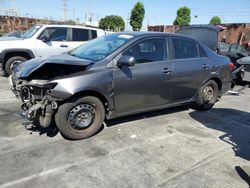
x=209, y=35
x=117, y=75
x=43, y=41
x=241, y=60
x=17, y=34
x=223, y=48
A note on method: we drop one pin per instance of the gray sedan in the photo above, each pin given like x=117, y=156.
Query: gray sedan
x=118, y=75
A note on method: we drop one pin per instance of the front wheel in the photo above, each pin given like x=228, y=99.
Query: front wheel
x=80, y=118
x=11, y=61
x=207, y=96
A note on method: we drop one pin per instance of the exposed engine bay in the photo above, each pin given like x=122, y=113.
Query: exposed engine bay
x=35, y=86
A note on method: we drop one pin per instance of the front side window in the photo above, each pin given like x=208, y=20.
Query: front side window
x=80, y=34
x=184, y=49
x=55, y=34
x=150, y=50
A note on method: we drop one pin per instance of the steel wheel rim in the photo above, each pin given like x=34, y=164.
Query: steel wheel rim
x=208, y=93
x=82, y=116
x=13, y=63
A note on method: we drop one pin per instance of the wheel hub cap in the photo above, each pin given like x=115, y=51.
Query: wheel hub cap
x=81, y=116
x=208, y=93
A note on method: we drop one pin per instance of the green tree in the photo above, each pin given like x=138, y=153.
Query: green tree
x=215, y=20
x=183, y=16
x=112, y=22
x=137, y=16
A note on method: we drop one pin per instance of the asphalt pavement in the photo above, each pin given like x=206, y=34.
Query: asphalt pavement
x=176, y=147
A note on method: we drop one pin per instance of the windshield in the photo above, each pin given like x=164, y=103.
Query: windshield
x=29, y=33
x=100, y=48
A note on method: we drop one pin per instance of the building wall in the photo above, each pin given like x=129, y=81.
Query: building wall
x=11, y=23
x=233, y=33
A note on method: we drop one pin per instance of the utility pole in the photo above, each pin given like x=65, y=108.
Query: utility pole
x=65, y=9
x=73, y=14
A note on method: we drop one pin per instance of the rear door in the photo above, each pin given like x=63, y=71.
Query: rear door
x=58, y=42
x=148, y=83
x=191, y=68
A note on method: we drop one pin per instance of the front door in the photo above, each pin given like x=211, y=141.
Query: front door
x=57, y=44
x=148, y=83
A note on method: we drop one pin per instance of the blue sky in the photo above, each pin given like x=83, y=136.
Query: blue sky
x=157, y=11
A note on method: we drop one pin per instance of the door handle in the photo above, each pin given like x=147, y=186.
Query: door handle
x=166, y=71
x=64, y=46
x=205, y=66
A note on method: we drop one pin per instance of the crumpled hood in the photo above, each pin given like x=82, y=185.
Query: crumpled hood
x=25, y=69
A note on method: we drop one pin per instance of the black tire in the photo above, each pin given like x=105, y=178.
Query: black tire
x=66, y=122
x=205, y=101
x=11, y=61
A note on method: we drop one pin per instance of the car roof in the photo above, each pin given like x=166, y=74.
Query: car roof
x=71, y=26
x=154, y=34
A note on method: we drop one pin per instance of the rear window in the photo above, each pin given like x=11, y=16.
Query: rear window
x=80, y=35
x=184, y=49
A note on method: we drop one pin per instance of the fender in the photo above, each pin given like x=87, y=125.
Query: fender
x=64, y=95
x=6, y=51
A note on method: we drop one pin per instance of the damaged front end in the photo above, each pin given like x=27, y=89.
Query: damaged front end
x=36, y=100
x=34, y=84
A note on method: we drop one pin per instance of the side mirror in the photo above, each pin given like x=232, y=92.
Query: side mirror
x=45, y=39
x=126, y=61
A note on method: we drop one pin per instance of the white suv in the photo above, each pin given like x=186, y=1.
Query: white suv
x=43, y=41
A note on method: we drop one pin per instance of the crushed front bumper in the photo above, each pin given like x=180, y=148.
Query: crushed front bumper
x=12, y=86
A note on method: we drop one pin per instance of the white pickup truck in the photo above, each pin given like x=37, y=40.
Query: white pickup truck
x=43, y=41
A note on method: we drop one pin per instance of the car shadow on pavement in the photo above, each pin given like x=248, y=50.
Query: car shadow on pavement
x=242, y=173
x=234, y=123
x=125, y=119
x=236, y=127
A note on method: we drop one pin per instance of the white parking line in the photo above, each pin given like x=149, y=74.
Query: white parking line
x=10, y=99
x=41, y=174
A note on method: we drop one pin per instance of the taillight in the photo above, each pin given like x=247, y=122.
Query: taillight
x=231, y=66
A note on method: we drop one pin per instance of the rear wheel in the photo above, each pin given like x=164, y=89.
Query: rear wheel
x=11, y=61
x=207, y=96
x=80, y=118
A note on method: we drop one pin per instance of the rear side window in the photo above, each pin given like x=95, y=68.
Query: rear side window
x=80, y=34
x=184, y=49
